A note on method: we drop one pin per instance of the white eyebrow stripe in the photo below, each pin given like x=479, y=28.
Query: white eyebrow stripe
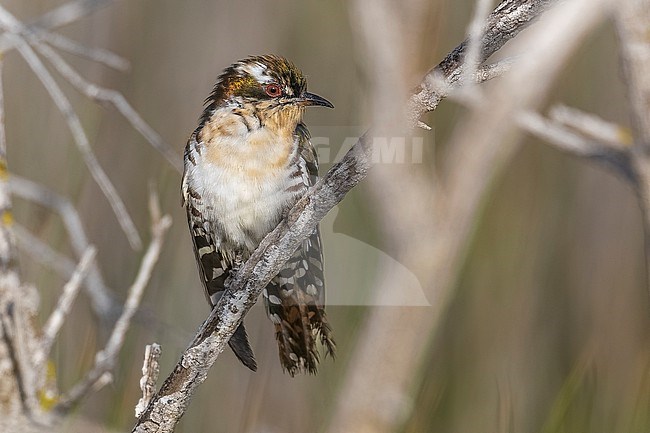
x=257, y=71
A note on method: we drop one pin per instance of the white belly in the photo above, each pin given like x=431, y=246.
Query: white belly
x=244, y=210
x=243, y=182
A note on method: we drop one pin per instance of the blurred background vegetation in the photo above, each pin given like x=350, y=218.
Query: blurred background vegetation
x=548, y=327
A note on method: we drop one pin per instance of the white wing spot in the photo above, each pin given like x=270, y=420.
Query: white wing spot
x=311, y=290
x=275, y=300
x=205, y=250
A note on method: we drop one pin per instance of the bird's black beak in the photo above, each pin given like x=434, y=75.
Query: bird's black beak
x=311, y=99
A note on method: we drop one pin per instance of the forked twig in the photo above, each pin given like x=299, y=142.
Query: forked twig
x=62, y=309
x=12, y=27
x=101, y=296
x=106, y=358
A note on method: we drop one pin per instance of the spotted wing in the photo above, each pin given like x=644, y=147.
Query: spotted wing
x=214, y=264
x=295, y=298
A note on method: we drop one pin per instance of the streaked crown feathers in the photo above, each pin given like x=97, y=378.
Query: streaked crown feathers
x=246, y=78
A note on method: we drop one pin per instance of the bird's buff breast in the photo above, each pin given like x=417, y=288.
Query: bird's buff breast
x=243, y=182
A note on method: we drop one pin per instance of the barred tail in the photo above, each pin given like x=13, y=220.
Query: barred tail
x=295, y=304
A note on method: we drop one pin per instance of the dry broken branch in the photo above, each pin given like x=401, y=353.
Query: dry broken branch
x=150, y=372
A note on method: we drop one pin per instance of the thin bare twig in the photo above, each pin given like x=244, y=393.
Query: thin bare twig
x=450, y=89
x=12, y=25
x=60, y=16
x=41, y=252
x=473, y=57
x=70, y=12
x=555, y=133
x=90, y=90
x=101, y=296
x=497, y=32
x=593, y=126
x=106, y=358
x=99, y=55
x=70, y=290
x=150, y=372
x=101, y=94
x=561, y=136
x=36, y=36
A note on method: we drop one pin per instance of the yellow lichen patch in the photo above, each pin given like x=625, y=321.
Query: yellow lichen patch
x=47, y=399
x=625, y=136
x=7, y=218
x=47, y=396
x=4, y=173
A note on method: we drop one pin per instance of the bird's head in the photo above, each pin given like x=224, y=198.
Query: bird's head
x=271, y=85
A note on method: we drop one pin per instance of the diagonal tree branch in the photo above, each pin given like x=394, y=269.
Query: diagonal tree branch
x=169, y=404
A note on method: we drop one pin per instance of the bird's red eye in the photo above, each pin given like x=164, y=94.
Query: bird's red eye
x=273, y=90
